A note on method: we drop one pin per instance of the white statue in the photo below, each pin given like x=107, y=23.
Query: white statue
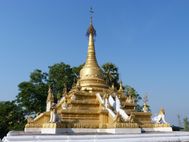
x=99, y=98
x=113, y=106
x=160, y=118
x=106, y=103
x=119, y=110
x=53, y=115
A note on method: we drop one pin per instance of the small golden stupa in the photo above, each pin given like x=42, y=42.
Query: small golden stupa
x=93, y=106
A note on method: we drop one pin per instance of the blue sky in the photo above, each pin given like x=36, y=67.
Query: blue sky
x=148, y=41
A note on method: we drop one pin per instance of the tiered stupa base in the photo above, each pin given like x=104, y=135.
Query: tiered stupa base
x=85, y=115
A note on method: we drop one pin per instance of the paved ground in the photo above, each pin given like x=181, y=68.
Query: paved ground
x=144, y=137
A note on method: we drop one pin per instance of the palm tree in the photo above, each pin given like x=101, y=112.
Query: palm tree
x=111, y=74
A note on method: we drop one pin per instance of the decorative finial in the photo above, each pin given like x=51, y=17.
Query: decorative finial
x=91, y=14
x=113, y=87
x=50, y=96
x=145, y=106
x=91, y=29
x=50, y=90
x=145, y=99
x=162, y=111
x=65, y=90
x=50, y=100
x=121, y=86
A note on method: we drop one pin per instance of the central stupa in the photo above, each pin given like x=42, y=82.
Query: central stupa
x=91, y=106
x=91, y=76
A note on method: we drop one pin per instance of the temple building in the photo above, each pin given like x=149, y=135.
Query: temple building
x=91, y=106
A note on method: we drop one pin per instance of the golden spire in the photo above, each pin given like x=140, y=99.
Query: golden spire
x=50, y=97
x=50, y=100
x=91, y=56
x=121, y=87
x=91, y=75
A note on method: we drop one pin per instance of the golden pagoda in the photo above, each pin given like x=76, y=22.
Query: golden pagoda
x=91, y=106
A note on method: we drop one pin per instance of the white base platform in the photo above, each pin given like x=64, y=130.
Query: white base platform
x=159, y=129
x=83, y=130
x=143, y=137
x=89, y=131
x=30, y=130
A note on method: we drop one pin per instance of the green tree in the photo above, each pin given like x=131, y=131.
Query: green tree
x=11, y=118
x=76, y=70
x=61, y=75
x=33, y=93
x=111, y=74
x=186, y=124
